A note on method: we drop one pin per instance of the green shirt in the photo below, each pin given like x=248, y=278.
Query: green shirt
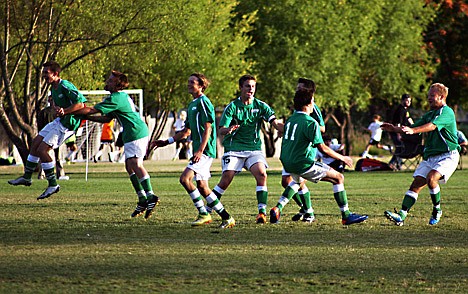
x=250, y=118
x=444, y=138
x=65, y=96
x=300, y=139
x=199, y=112
x=120, y=106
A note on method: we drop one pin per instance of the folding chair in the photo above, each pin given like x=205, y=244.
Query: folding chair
x=410, y=151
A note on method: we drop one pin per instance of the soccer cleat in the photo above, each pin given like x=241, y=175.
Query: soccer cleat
x=435, y=217
x=20, y=181
x=261, y=218
x=203, y=219
x=308, y=218
x=354, y=218
x=394, y=217
x=228, y=223
x=48, y=192
x=151, y=203
x=140, y=209
x=298, y=216
x=275, y=215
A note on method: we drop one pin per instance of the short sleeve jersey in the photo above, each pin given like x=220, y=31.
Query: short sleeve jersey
x=444, y=138
x=300, y=139
x=120, y=106
x=250, y=118
x=376, y=131
x=201, y=111
x=65, y=96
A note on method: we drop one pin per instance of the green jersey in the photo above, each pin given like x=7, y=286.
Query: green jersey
x=317, y=115
x=444, y=138
x=65, y=96
x=120, y=106
x=249, y=118
x=300, y=139
x=199, y=112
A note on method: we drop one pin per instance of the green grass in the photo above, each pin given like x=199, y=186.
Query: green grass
x=83, y=240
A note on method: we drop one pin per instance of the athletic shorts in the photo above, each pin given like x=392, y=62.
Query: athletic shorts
x=201, y=168
x=373, y=142
x=54, y=133
x=314, y=174
x=237, y=160
x=136, y=148
x=445, y=164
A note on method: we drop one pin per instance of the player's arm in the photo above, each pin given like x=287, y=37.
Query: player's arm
x=69, y=110
x=277, y=125
x=429, y=127
x=205, y=137
x=391, y=128
x=179, y=136
x=99, y=118
x=328, y=151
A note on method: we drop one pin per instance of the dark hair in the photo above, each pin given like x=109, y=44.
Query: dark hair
x=53, y=65
x=309, y=84
x=123, y=80
x=302, y=98
x=405, y=96
x=246, y=78
x=202, y=80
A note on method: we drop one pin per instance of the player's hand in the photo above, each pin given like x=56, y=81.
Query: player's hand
x=159, y=143
x=407, y=130
x=348, y=161
x=197, y=156
x=59, y=111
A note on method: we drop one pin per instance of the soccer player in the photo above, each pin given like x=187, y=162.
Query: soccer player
x=120, y=106
x=301, y=134
x=440, y=157
x=200, y=124
x=67, y=98
x=376, y=135
x=303, y=195
x=240, y=124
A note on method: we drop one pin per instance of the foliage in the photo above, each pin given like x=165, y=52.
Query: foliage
x=83, y=240
x=447, y=43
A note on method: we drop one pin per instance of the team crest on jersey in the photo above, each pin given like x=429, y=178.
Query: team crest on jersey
x=60, y=95
x=255, y=110
x=194, y=108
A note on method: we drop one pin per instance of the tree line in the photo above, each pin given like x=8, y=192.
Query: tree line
x=362, y=54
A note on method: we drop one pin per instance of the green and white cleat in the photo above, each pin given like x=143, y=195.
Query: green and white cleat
x=394, y=217
x=203, y=219
x=228, y=223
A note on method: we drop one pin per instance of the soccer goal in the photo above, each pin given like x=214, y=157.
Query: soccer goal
x=88, y=137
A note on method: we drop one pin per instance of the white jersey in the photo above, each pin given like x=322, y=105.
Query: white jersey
x=325, y=158
x=376, y=131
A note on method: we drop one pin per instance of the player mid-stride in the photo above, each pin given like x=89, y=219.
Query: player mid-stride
x=301, y=134
x=440, y=158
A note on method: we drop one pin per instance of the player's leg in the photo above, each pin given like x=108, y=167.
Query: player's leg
x=186, y=180
x=30, y=165
x=285, y=180
x=258, y=170
x=288, y=193
x=339, y=193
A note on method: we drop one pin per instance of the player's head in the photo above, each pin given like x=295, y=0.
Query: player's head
x=117, y=81
x=203, y=81
x=303, y=98
x=304, y=83
x=376, y=117
x=327, y=140
x=51, y=72
x=247, y=86
x=437, y=95
x=406, y=100
x=183, y=114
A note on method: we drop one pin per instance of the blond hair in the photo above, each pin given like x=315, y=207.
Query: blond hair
x=441, y=89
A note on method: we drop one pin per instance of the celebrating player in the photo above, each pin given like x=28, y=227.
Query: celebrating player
x=440, y=157
x=67, y=98
x=200, y=124
x=240, y=124
x=135, y=137
x=301, y=134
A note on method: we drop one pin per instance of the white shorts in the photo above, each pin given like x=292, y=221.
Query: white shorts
x=136, y=148
x=445, y=164
x=237, y=160
x=314, y=174
x=55, y=133
x=201, y=168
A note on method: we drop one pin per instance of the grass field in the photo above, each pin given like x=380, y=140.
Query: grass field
x=82, y=240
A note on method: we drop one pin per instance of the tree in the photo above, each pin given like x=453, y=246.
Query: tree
x=447, y=43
